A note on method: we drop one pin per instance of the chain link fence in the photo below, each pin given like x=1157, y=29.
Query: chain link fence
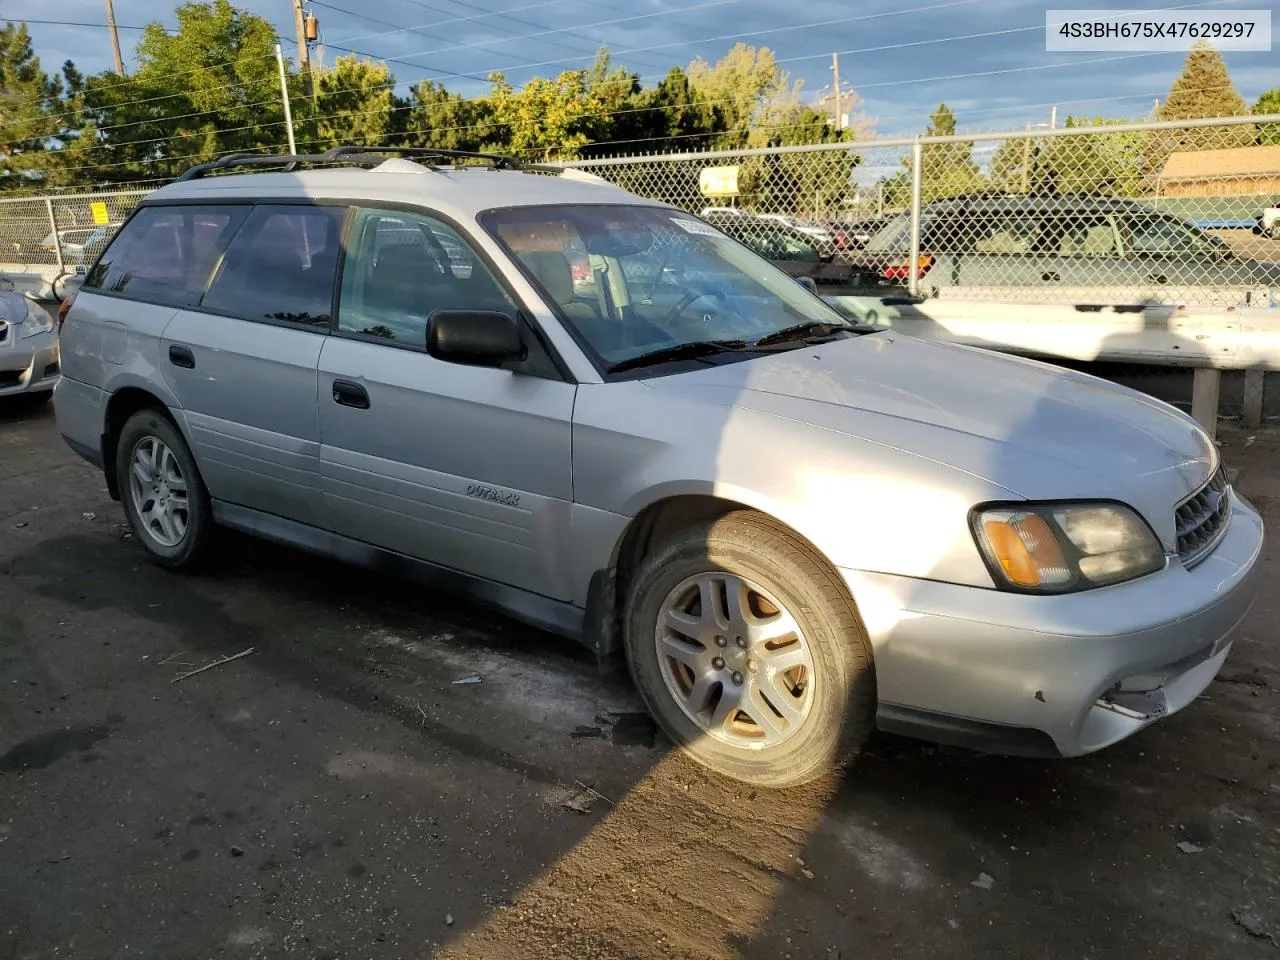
x=1155, y=213
x=67, y=231
x=1183, y=213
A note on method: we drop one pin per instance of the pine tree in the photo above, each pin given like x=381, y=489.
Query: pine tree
x=947, y=169
x=30, y=107
x=1204, y=89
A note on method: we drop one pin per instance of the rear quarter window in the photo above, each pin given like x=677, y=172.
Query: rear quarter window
x=165, y=254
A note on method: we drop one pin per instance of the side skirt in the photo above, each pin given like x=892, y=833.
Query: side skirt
x=534, y=609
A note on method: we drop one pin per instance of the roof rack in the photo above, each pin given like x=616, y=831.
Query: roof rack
x=350, y=154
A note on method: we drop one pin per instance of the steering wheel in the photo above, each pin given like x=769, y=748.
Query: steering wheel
x=674, y=313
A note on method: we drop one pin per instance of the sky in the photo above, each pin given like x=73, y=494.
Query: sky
x=985, y=58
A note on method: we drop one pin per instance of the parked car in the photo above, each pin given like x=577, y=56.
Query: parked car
x=28, y=349
x=797, y=254
x=1122, y=250
x=793, y=530
x=80, y=245
x=851, y=235
x=820, y=233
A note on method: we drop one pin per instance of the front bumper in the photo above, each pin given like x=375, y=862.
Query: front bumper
x=1066, y=675
x=28, y=365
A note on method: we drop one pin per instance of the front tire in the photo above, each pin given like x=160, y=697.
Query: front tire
x=748, y=652
x=165, y=499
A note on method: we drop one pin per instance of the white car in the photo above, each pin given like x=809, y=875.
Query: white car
x=794, y=529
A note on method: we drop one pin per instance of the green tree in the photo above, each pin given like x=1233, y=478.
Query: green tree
x=806, y=184
x=675, y=114
x=32, y=112
x=447, y=121
x=946, y=169
x=1202, y=90
x=209, y=88
x=1268, y=103
x=619, y=120
x=546, y=117
x=352, y=104
x=740, y=85
x=1104, y=163
x=1012, y=166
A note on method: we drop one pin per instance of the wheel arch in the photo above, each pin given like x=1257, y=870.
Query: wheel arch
x=672, y=509
x=123, y=404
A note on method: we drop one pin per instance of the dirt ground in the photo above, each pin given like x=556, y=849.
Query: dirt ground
x=338, y=794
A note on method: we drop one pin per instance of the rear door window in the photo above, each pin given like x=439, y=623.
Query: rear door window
x=165, y=254
x=281, y=266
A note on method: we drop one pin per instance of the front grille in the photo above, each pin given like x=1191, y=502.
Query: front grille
x=1201, y=519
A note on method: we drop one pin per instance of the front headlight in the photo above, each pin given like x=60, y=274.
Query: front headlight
x=37, y=321
x=1065, y=547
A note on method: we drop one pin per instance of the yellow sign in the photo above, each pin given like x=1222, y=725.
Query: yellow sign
x=718, y=181
x=99, y=210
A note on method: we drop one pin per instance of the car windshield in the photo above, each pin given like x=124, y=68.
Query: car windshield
x=635, y=279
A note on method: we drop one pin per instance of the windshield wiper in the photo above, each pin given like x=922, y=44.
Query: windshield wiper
x=680, y=351
x=811, y=328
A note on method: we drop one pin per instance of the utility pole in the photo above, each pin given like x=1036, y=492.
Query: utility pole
x=115, y=38
x=1053, y=118
x=300, y=33
x=284, y=97
x=835, y=67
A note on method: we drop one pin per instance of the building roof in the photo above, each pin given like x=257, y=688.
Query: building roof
x=1217, y=164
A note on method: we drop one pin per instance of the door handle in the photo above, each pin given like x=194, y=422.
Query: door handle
x=350, y=394
x=182, y=357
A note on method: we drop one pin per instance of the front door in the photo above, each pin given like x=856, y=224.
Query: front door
x=463, y=466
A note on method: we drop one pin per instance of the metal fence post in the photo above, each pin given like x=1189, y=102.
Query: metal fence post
x=53, y=225
x=917, y=154
x=1254, y=388
x=1205, y=385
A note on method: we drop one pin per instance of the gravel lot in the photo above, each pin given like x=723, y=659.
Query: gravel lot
x=338, y=794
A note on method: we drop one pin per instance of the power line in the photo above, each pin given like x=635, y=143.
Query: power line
x=404, y=29
x=74, y=23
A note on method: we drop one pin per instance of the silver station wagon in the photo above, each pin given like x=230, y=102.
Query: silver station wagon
x=796, y=530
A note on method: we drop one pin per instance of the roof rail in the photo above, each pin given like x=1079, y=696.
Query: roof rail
x=350, y=154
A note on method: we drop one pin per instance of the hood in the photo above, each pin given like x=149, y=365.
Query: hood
x=1038, y=431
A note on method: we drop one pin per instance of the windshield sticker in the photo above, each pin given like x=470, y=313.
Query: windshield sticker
x=694, y=226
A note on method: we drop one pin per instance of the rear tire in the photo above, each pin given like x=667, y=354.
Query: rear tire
x=164, y=497
x=775, y=685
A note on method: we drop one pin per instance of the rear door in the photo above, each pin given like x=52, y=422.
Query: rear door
x=243, y=361
x=467, y=467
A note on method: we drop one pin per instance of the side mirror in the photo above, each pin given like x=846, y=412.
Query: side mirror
x=483, y=338
x=808, y=283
